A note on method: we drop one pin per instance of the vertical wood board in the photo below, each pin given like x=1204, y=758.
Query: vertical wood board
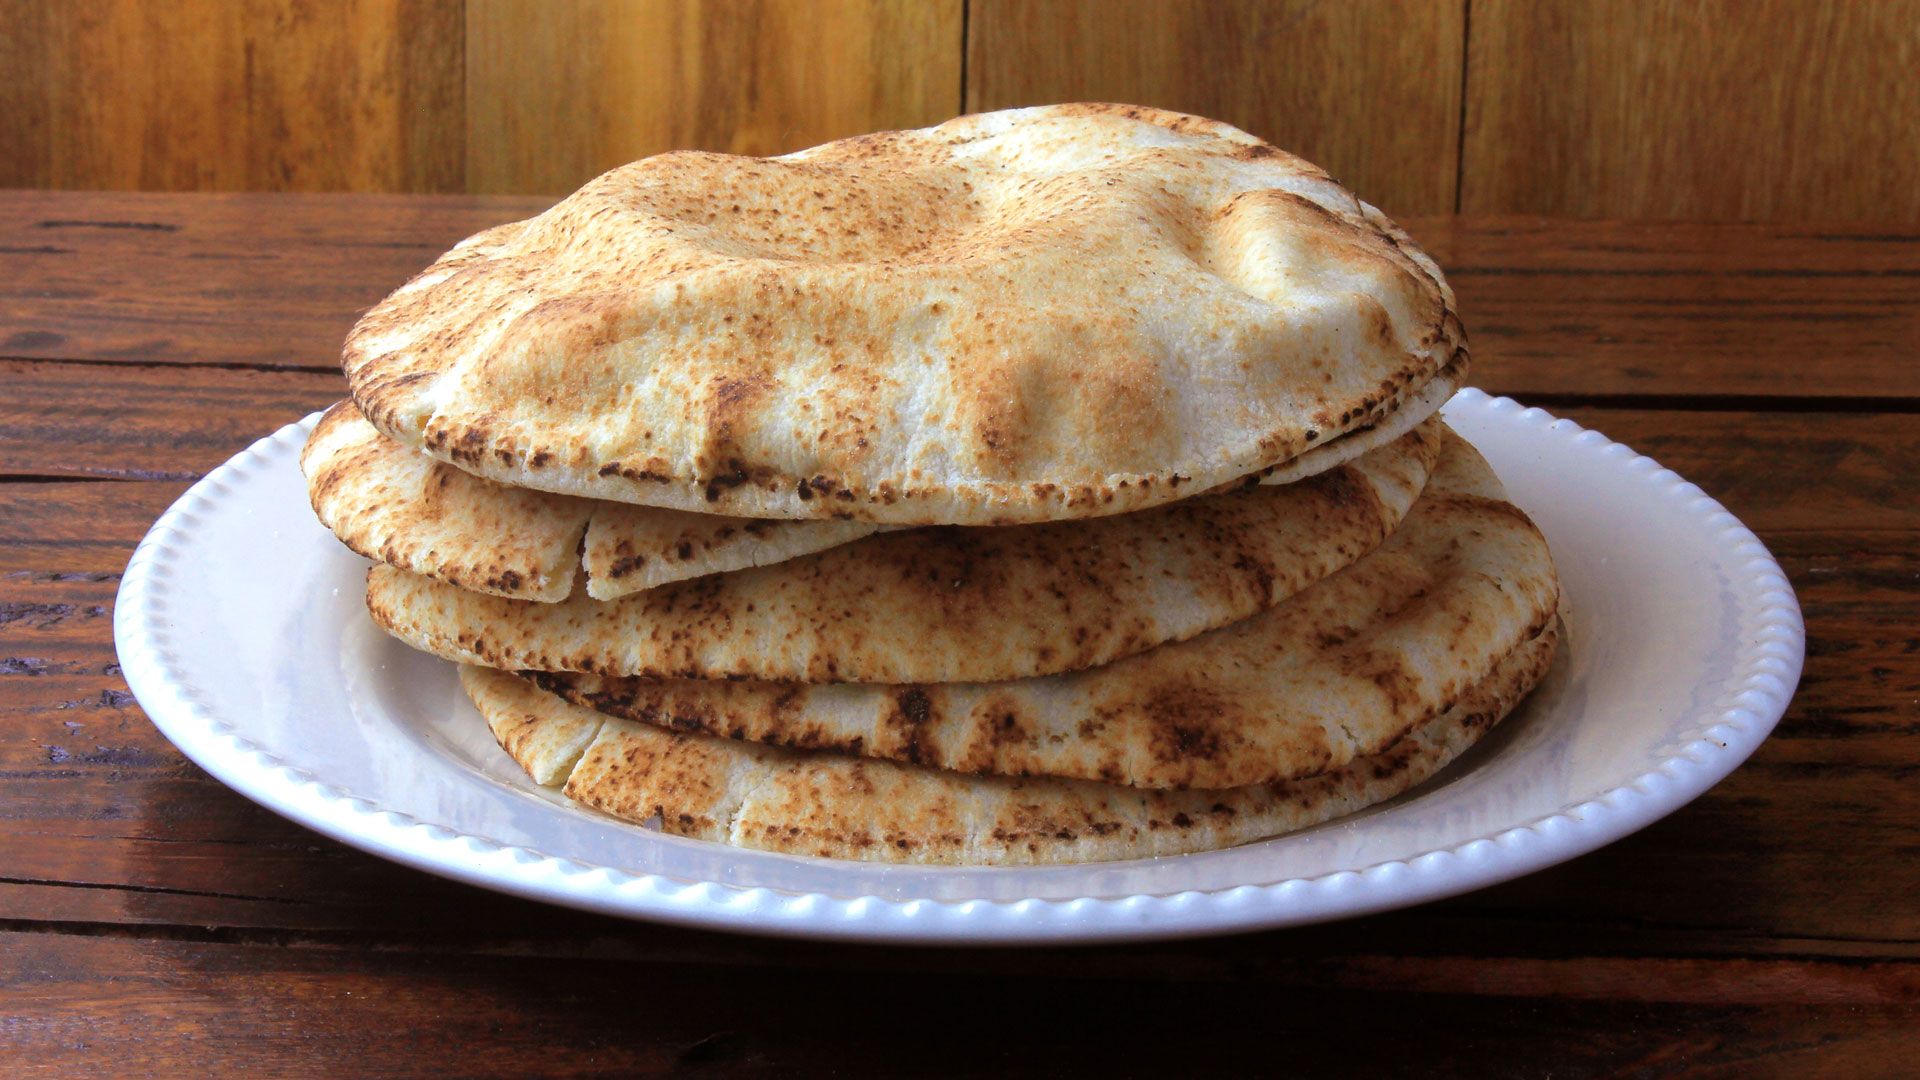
x=1774, y=110
x=558, y=93
x=1368, y=89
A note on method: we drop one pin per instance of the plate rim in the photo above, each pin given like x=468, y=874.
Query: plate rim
x=1762, y=680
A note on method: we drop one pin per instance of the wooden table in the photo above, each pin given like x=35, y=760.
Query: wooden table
x=152, y=920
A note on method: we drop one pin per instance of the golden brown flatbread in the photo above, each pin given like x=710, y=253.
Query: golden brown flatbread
x=843, y=807
x=946, y=604
x=1335, y=673
x=1030, y=315
x=392, y=503
x=631, y=549
x=405, y=509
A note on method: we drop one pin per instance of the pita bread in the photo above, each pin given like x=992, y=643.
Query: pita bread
x=945, y=604
x=856, y=808
x=405, y=509
x=631, y=549
x=1391, y=421
x=1031, y=315
x=545, y=742
x=394, y=504
x=1336, y=673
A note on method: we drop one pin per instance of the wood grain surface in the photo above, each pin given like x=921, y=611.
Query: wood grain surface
x=248, y=279
x=1369, y=89
x=153, y=920
x=217, y=95
x=1753, y=110
x=416, y=1013
x=1775, y=110
x=559, y=93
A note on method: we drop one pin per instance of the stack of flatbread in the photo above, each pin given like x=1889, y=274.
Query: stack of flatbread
x=1051, y=485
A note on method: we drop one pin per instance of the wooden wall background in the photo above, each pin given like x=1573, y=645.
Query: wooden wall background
x=1713, y=109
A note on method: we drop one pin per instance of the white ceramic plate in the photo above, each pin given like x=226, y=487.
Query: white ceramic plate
x=241, y=629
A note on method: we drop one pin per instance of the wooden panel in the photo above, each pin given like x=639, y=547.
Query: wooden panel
x=1370, y=90
x=361, y=96
x=212, y=95
x=26, y=152
x=86, y=1005
x=1721, y=109
x=161, y=422
x=558, y=93
x=1610, y=310
x=239, y=279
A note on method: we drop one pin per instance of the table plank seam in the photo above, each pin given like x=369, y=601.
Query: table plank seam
x=92, y=478
x=463, y=942
x=150, y=890
x=162, y=365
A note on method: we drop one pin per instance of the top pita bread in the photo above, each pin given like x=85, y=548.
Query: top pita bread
x=1020, y=316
